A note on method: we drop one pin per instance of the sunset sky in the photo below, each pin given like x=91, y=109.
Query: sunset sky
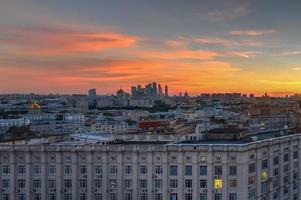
x=69, y=46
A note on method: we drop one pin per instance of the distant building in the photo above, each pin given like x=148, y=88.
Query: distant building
x=74, y=118
x=6, y=123
x=92, y=98
x=166, y=90
x=135, y=114
x=80, y=101
x=109, y=127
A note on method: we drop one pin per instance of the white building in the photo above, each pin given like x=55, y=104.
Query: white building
x=13, y=122
x=74, y=118
x=135, y=114
x=110, y=127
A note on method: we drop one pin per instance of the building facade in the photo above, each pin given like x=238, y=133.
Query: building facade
x=110, y=127
x=266, y=170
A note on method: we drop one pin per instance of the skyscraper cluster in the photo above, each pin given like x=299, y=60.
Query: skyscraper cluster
x=150, y=90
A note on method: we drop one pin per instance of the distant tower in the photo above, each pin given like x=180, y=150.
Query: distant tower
x=166, y=90
x=134, y=91
x=155, y=89
x=186, y=94
x=92, y=97
x=160, y=90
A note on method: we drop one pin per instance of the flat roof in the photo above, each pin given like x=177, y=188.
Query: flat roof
x=257, y=138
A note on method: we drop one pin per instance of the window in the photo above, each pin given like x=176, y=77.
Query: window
x=285, y=168
x=98, y=183
x=51, y=197
x=285, y=179
x=276, y=172
x=275, y=183
x=52, y=170
x=143, y=196
x=36, y=184
x=67, y=170
x=173, y=183
x=4, y=196
x=113, y=169
x=233, y=183
x=232, y=196
x=128, y=169
x=83, y=169
x=264, y=164
x=285, y=157
x=264, y=187
x=218, y=197
x=143, y=169
x=67, y=183
x=128, y=183
x=203, y=183
x=173, y=170
x=5, y=169
x=158, y=169
x=232, y=170
x=218, y=170
x=276, y=160
x=5, y=183
x=83, y=183
x=21, y=197
x=252, y=180
x=52, y=184
x=113, y=183
x=188, y=196
x=21, y=169
x=203, y=196
x=36, y=197
x=158, y=183
x=188, y=170
x=203, y=170
x=218, y=183
x=295, y=155
x=98, y=196
x=113, y=196
x=203, y=159
x=83, y=196
x=68, y=158
x=252, y=193
x=98, y=170
x=20, y=183
x=158, y=196
x=128, y=196
x=173, y=196
x=36, y=170
x=188, y=183
x=143, y=183
x=252, y=167
x=67, y=196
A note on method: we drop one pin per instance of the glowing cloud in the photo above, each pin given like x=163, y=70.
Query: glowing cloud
x=56, y=40
x=252, y=32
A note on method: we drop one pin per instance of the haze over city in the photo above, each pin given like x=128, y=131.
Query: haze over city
x=202, y=46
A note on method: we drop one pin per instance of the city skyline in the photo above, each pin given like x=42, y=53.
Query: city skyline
x=196, y=46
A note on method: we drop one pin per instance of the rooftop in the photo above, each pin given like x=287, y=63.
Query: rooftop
x=252, y=138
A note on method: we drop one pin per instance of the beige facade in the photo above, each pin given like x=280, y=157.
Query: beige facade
x=267, y=169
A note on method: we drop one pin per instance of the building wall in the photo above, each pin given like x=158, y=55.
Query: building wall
x=116, y=158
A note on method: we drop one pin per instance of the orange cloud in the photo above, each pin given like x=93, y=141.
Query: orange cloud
x=181, y=54
x=252, y=32
x=63, y=40
x=229, y=43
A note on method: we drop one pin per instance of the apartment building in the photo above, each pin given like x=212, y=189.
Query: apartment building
x=265, y=169
x=110, y=127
